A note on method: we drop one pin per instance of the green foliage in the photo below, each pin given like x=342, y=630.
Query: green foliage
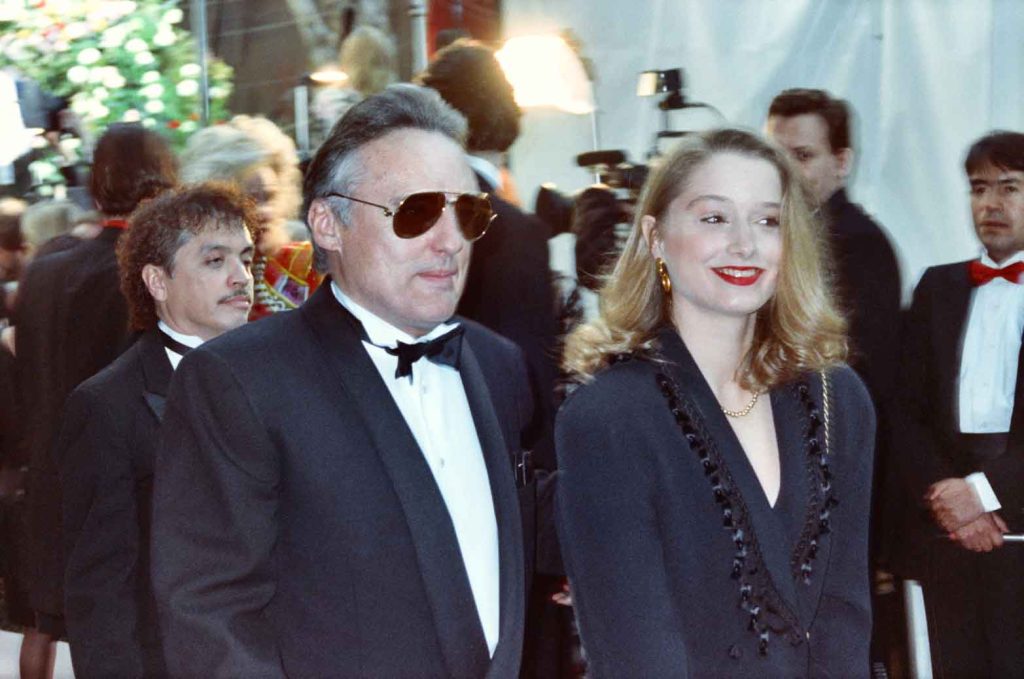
x=115, y=60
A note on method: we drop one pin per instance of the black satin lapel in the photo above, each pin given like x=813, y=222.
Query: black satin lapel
x=156, y=372
x=770, y=535
x=506, y=510
x=948, y=329
x=437, y=548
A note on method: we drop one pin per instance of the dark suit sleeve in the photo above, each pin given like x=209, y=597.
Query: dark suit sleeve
x=611, y=544
x=917, y=455
x=214, y=527
x=874, y=328
x=101, y=537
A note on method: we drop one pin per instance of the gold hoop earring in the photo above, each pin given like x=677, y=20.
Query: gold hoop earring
x=666, y=282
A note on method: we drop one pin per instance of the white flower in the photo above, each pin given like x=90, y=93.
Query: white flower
x=132, y=115
x=164, y=38
x=80, y=103
x=190, y=70
x=152, y=91
x=113, y=37
x=89, y=56
x=154, y=106
x=115, y=81
x=45, y=190
x=218, y=92
x=148, y=122
x=150, y=77
x=97, y=74
x=188, y=126
x=61, y=46
x=144, y=58
x=78, y=74
x=136, y=45
x=76, y=30
x=98, y=110
x=100, y=93
x=187, y=88
x=173, y=16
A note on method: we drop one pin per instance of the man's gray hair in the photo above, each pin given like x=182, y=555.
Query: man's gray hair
x=336, y=167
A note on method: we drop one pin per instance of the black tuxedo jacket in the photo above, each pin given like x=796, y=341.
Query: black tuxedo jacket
x=508, y=289
x=926, y=439
x=71, y=321
x=297, y=529
x=651, y=553
x=105, y=453
x=868, y=286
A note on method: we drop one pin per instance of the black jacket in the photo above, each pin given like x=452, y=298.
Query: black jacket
x=72, y=321
x=297, y=529
x=926, y=438
x=105, y=453
x=672, y=548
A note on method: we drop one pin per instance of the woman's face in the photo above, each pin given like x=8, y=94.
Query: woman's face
x=261, y=184
x=721, y=238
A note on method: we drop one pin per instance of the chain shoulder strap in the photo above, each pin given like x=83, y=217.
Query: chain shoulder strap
x=826, y=403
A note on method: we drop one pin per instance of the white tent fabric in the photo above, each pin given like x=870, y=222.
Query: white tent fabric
x=925, y=77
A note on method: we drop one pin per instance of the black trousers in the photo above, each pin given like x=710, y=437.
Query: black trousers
x=975, y=607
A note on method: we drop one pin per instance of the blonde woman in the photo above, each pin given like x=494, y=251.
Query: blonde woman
x=716, y=460
x=253, y=153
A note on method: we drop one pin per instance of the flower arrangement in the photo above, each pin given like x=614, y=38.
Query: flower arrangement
x=115, y=60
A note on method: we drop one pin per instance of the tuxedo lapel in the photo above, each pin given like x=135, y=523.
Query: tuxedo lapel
x=771, y=537
x=506, y=510
x=949, y=328
x=156, y=370
x=433, y=535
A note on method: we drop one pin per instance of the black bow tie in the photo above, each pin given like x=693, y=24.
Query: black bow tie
x=173, y=344
x=444, y=350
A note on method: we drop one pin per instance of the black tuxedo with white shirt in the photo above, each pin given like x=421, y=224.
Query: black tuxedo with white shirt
x=105, y=453
x=298, y=530
x=928, y=447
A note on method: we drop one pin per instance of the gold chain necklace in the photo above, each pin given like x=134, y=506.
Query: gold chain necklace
x=746, y=410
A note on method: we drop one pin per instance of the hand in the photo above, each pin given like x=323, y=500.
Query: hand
x=981, y=535
x=953, y=503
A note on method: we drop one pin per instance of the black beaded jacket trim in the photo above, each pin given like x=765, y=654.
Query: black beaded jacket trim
x=767, y=611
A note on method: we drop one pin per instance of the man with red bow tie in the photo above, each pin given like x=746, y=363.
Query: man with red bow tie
x=960, y=438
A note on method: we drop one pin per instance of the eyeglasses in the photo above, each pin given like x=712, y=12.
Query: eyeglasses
x=418, y=212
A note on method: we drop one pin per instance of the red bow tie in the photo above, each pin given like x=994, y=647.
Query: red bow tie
x=981, y=274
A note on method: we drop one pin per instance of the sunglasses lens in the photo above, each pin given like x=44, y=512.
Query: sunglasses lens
x=474, y=214
x=418, y=213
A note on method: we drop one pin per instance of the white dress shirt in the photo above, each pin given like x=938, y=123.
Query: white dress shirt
x=190, y=341
x=433, y=403
x=988, y=363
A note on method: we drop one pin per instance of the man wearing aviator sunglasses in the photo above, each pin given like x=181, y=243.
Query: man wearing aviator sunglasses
x=335, y=493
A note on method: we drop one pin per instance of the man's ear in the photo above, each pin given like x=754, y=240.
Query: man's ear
x=155, y=279
x=649, y=229
x=845, y=158
x=324, y=226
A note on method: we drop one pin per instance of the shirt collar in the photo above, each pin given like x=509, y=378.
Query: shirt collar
x=987, y=261
x=379, y=331
x=190, y=341
x=486, y=169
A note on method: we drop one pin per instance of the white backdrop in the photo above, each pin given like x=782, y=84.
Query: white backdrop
x=925, y=77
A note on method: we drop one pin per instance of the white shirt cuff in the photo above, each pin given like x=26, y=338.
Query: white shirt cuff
x=981, y=486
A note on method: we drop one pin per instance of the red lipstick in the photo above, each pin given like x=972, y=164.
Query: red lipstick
x=739, y=275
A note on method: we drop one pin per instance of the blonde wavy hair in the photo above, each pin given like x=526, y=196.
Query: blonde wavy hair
x=798, y=330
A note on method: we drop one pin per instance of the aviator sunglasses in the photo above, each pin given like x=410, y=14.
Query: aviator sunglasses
x=418, y=212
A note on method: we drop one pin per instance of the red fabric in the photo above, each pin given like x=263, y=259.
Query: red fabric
x=981, y=274
x=115, y=223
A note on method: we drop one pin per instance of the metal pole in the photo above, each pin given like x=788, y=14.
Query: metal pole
x=197, y=16
x=302, y=120
x=418, y=34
